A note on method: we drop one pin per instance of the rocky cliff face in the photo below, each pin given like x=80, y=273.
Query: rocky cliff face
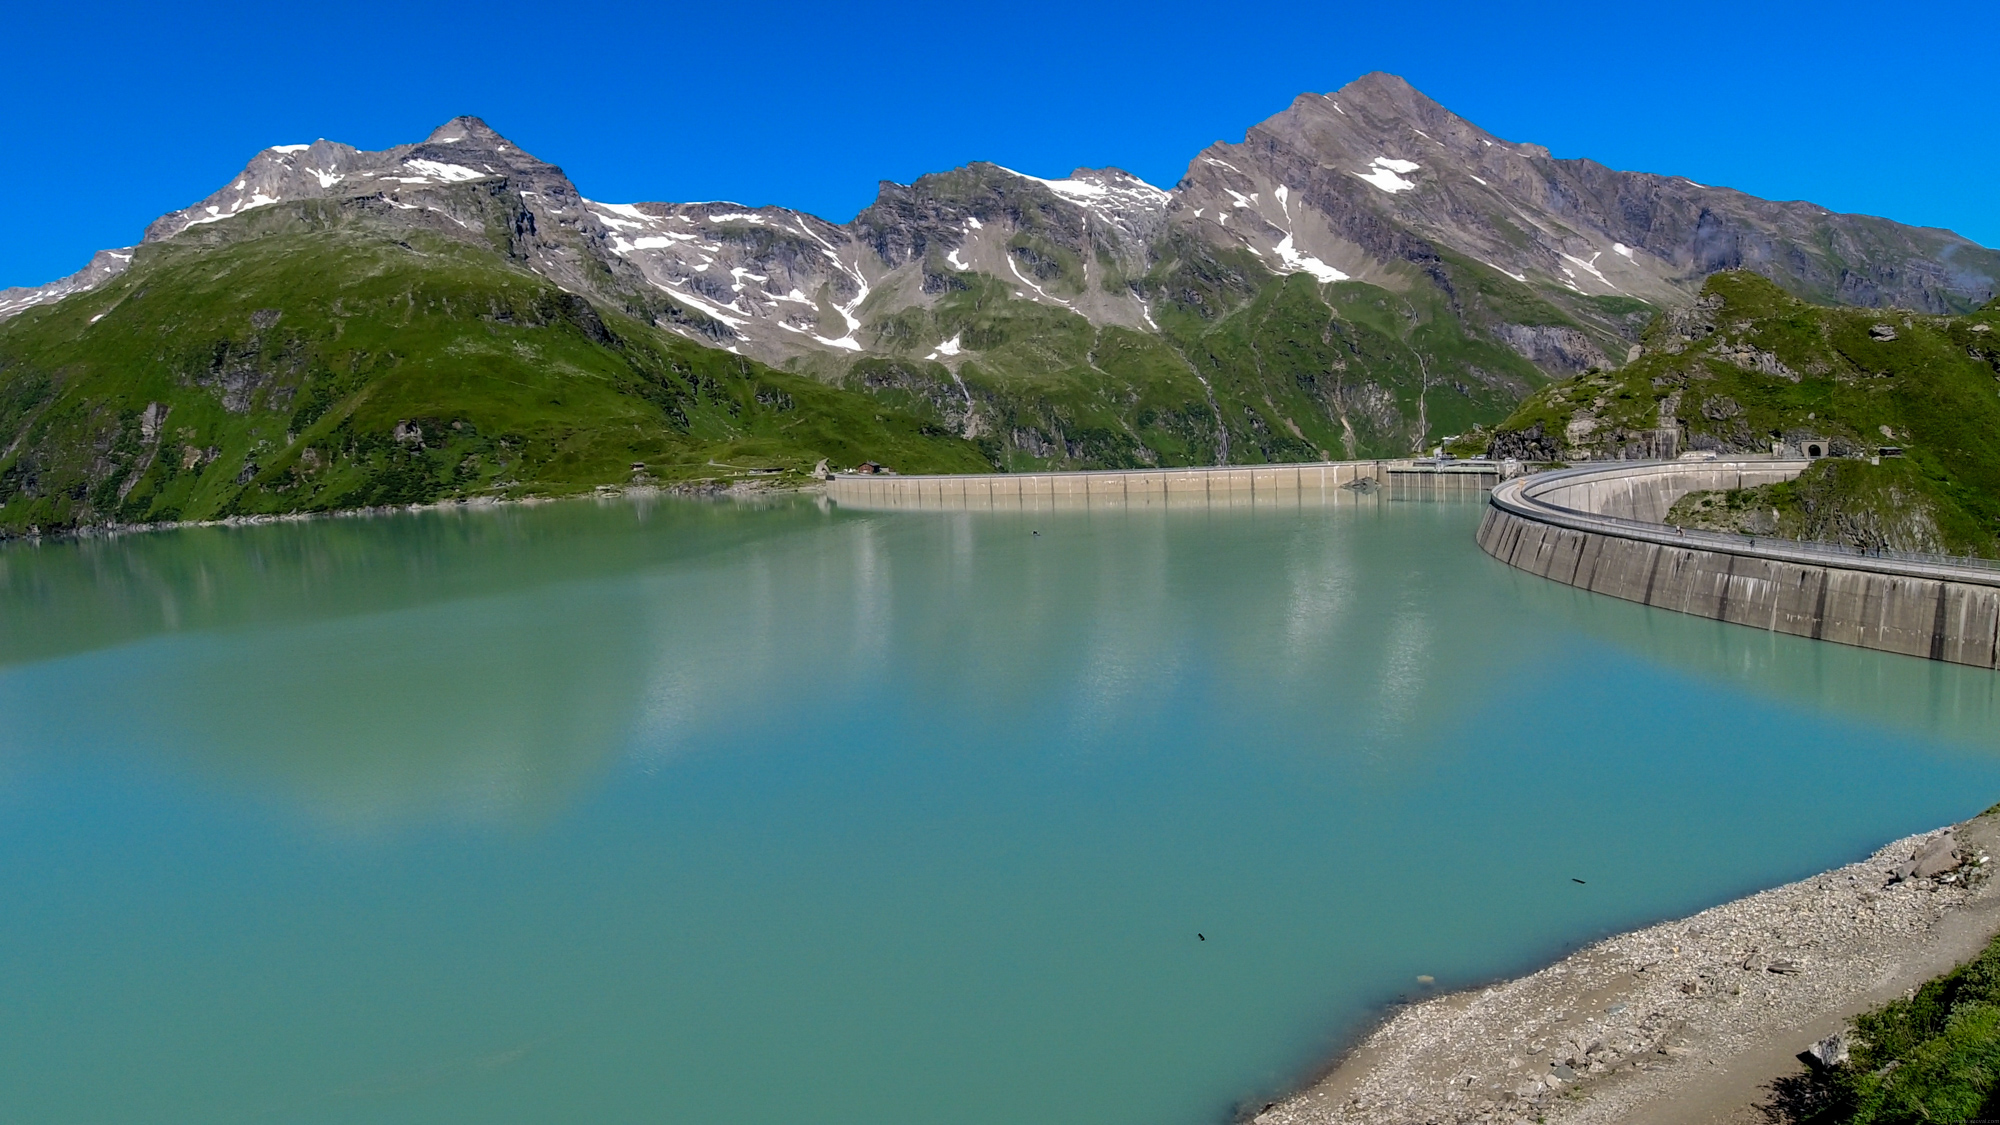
x=104, y=265
x=1419, y=274
x=1378, y=173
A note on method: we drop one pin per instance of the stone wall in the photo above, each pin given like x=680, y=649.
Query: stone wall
x=1597, y=529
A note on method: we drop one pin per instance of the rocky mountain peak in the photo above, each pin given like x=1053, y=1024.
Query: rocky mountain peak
x=1374, y=182
x=1388, y=95
x=461, y=150
x=1376, y=115
x=466, y=128
x=470, y=143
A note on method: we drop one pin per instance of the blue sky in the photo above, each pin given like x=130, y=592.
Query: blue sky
x=118, y=112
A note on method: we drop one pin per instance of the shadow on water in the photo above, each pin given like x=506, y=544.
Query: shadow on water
x=1928, y=698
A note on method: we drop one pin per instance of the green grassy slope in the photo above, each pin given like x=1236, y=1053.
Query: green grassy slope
x=1750, y=365
x=294, y=367
x=305, y=357
x=1934, y=1057
x=1890, y=505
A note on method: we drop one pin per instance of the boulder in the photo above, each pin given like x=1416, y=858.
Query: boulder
x=1827, y=1053
x=1932, y=858
x=1936, y=857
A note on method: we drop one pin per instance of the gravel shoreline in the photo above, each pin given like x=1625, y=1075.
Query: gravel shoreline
x=1685, y=1021
x=738, y=489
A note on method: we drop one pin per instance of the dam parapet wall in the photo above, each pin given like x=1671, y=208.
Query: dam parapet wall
x=1598, y=528
x=1228, y=484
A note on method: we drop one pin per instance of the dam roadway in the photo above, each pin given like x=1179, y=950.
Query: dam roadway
x=1600, y=528
x=1597, y=527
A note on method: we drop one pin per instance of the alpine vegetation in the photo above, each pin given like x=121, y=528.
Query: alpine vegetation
x=1365, y=274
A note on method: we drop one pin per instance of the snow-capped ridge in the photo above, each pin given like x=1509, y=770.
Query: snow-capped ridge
x=1112, y=192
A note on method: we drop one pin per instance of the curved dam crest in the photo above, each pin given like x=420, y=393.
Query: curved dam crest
x=1598, y=528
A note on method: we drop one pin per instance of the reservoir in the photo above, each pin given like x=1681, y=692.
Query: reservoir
x=778, y=812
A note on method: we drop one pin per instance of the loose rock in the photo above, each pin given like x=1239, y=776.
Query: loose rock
x=1828, y=1052
x=1646, y=1015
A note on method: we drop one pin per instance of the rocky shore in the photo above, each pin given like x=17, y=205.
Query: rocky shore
x=1683, y=1022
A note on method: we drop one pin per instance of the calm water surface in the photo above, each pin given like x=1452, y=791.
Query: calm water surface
x=722, y=813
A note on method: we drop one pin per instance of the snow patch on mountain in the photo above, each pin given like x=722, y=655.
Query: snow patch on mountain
x=629, y=210
x=1306, y=263
x=449, y=173
x=1293, y=261
x=1590, y=267
x=217, y=214
x=1045, y=294
x=103, y=266
x=1387, y=173
x=1119, y=196
x=846, y=311
x=708, y=308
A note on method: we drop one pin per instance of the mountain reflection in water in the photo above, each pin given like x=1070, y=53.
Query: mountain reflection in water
x=744, y=812
x=488, y=664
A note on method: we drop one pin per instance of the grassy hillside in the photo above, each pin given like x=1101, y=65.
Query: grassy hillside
x=1934, y=1057
x=307, y=356
x=1749, y=365
x=302, y=368
x=1889, y=505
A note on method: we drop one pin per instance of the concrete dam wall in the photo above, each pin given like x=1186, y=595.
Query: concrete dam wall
x=1230, y=484
x=1598, y=528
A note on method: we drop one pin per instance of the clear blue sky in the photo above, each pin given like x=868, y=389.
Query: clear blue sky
x=118, y=112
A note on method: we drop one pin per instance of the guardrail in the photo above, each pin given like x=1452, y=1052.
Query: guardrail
x=1933, y=606
x=1524, y=496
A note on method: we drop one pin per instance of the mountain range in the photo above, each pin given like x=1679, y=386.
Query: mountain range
x=1365, y=274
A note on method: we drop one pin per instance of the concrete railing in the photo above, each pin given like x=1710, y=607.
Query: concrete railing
x=1598, y=528
x=1230, y=484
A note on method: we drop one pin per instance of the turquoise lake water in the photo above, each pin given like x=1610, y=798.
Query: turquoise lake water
x=689, y=811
